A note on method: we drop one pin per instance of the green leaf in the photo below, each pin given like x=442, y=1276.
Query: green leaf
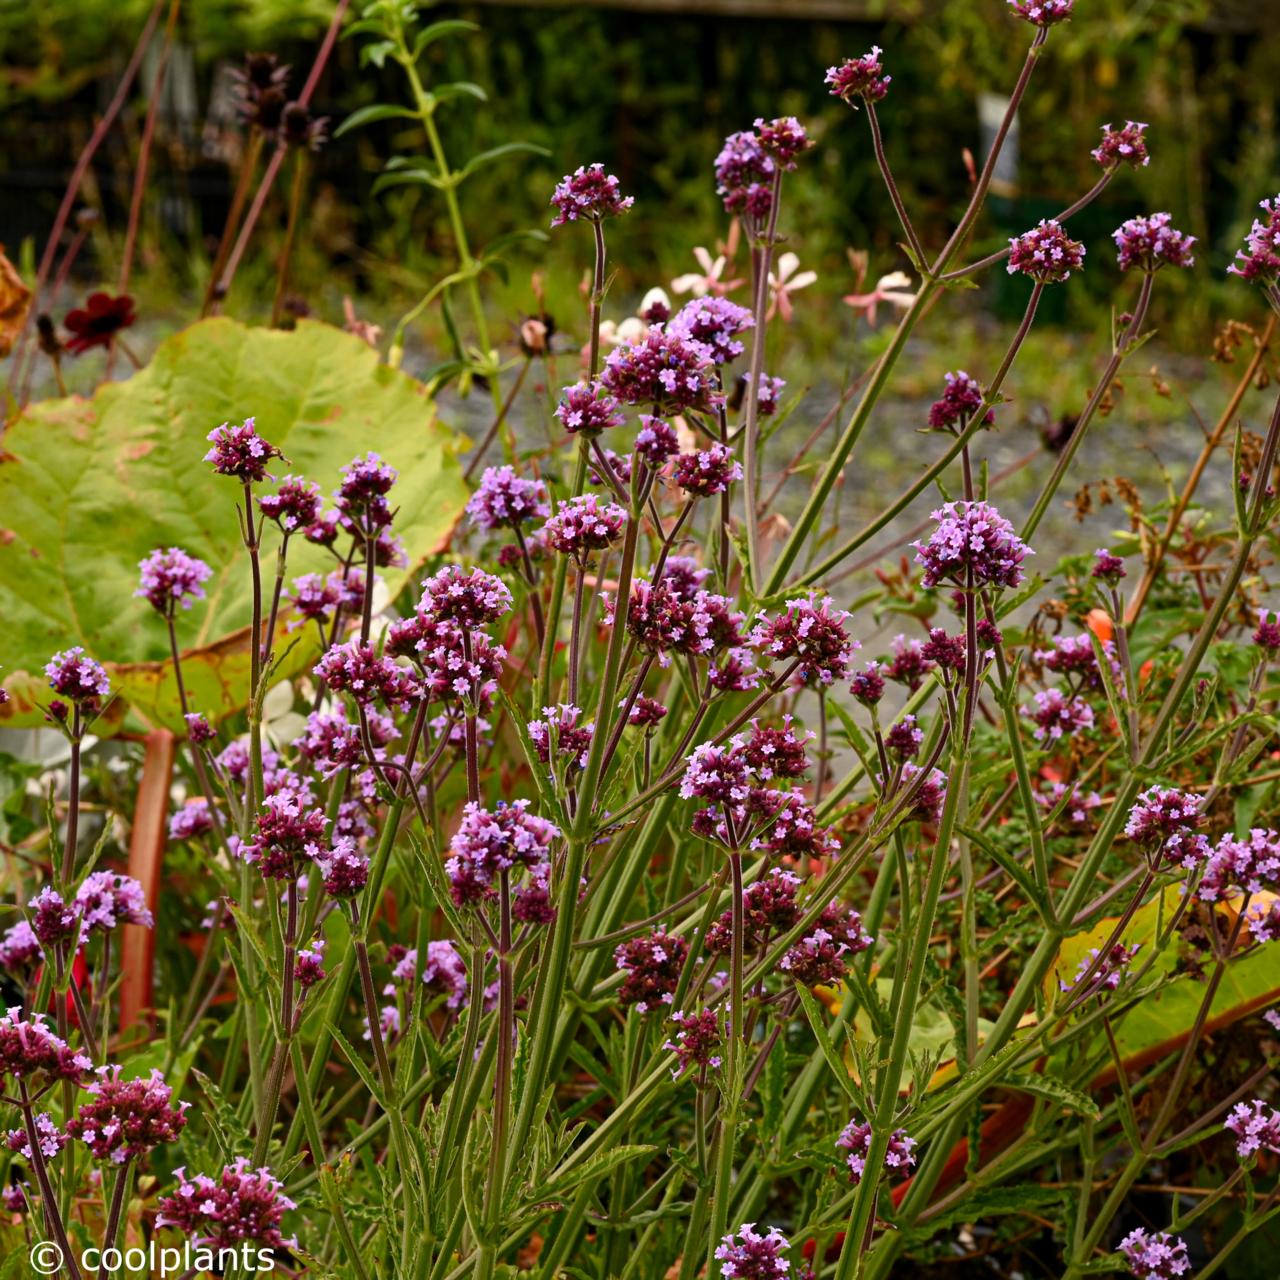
x=438, y=30
x=459, y=89
x=817, y=1021
x=1054, y=1091
x=594, y=1168
x=368, y=115
x=89, y=487
x=479, y=161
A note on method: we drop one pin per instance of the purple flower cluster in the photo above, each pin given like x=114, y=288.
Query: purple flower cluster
x=488, y=842
x=745, y=1254
x=675, y=617
x=1043, y=13
x=585, y=524
x=469, y=597
x=30, y=1051
x=768, y=907
x=782, y=139
x=961, y=398
x=1251, y=865
x=1256, y=1126
x=1151, y=243
x=20, y=948
x=505, y=499
x=359, y=670
x=868, y=684
x=191, y=821
x=1078, y=807
x=810, y=632
x=1045, y=253
x=127, y=1118
x=587, y=408
x=695, y=1040
x=714, y=322
x=856, y=1140
x=53, y=921
x=1155, y=1255
x=171, y=578
x=1163, y=823
x=1057, y=715
x=822, y=956
x=656, y=441
x=74, y=675
x=665, y=369
x=972, y=545
x=776, y=752
x=286, y=837
x=706, y=472
x=1259, y=260
x=652, y=965
x=344, y=868
x=49, y=1138
x=590, y=194
x=744, y=176
x=1122, y=146
x=308, y=964
x=904, y=739
x=295, y=504
x=361, y=499
x=240, y=1204
x=444, y=973
x=106, y=899
x=561, y=734
x=240, y=452
x=931, y=792
x=1110, y=973
x=861, y=77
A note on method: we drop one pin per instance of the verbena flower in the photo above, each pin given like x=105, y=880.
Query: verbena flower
x=240, y=1204
x=308, y=964
x=944, y=652
x=127, y=1118
x=77, y=677
x=695, y=1040
x=1250, y=865
x=973, y=543
x=469, y=597
x=199, y=730
x=1107, y=567
x=561, y=734
x=171, y=578
x=908, y=664
x=590, y=194
x=782, y=139
x=50, y=1139
x=106, y=899
x=1045, y=253
x=240, y=452
x=295, y=504
x=489, y=841
x=286, y=837
x=821, y=957
x=1057, y=715
x=1267, y=636
x=585, y=524
x=656, y=441
x=1256, y=1127
x=719, y=774
x=809, y=631
x=793, y=830
x=652, y=966
x=619, y=465
x=505, y=499
x=54, y=921
x=961, y=398
x=1122, y=146
x=444, y=973
x=30, y=1051
x=357, y=669
x=1155, y=1255
x=1152, y=242
x=1110, y=973
x=646, y=712
x=344, y=867
x=707, y=472
x=1077, y=809
x=361, y=497
x=716, y=323
x=744, y=176
x=1074, y=657
x=745, y=1254
x=905, y=738
x=587, y=408
x=1259, y=260
x=20, y=948
x=868, y=685
x=776, y=752
x=862, y=77
x=664, y=369
x=1163, y=823
x=663, y=620
x=191, y=821
x=769, y=907
x=1043, y=13
x=855, y=1139
x=931, y=792
x=313, y=599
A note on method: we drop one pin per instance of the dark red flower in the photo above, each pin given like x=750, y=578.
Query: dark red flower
x=98, y=323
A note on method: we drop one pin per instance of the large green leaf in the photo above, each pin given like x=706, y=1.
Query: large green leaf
x=89, y=487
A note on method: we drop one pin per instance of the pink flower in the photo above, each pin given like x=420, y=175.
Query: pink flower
x=785, y=281
x=893, y=289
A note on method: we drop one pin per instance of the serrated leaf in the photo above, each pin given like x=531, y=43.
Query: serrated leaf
x=594, y=1168
x=1044, y=1086
x=89, y=487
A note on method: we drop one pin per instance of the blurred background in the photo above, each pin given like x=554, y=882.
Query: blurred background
x=650, y=88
